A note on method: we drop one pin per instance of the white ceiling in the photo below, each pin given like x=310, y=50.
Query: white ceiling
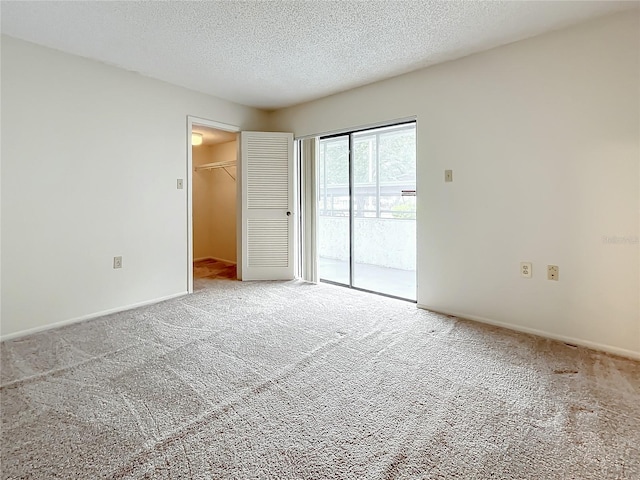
x=212, y=136
x=276, y=54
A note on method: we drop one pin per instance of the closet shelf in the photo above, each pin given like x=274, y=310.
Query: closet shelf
x=211, y=166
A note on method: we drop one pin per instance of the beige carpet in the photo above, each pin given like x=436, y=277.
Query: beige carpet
x=295, y=381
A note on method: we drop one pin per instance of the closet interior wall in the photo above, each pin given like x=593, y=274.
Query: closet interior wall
x=214, y=203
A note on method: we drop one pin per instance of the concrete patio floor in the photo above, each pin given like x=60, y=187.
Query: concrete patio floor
x=390, y=281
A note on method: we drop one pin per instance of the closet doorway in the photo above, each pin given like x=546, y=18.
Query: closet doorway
x=214, y=153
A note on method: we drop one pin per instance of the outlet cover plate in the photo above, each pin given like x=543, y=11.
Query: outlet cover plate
x=117, y=262
x=525, y=269
x=553, y=272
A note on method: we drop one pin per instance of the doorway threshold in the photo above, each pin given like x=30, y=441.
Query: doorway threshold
x=388, y=295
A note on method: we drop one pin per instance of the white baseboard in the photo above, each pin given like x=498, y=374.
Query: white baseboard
x=43, y=328
x=541, y=333
x=214, y=258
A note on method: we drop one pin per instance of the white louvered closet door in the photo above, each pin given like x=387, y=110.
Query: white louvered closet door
x=266, y=171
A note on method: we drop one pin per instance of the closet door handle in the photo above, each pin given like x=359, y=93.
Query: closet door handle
x=288, y=214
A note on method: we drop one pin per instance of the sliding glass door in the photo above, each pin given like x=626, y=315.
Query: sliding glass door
x=367, y=210
x=333, y=210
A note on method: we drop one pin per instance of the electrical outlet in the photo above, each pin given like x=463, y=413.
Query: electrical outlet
x=525, y=269
x=553, y=272
x=448, y=175
x=117, y=262
x=180, y=184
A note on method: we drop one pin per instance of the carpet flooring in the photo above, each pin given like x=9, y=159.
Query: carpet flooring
x=287, y=380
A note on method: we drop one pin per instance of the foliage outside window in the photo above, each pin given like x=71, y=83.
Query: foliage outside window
x=384, y=164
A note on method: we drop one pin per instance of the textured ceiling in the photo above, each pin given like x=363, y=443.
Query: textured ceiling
x=276, y=54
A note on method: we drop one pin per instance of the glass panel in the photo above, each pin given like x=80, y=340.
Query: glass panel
x=333, y=209
x=384, y=204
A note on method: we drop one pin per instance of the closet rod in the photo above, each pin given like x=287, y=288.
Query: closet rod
x=211, y=166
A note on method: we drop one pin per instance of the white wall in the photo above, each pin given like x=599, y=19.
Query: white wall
x=224, y=201
x=202, y=204
x=90, y=158
x=543, y=139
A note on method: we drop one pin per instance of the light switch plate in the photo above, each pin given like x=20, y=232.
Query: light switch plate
x=180, y=184
x=117, y=262
x=553, y=272
x=448, y=175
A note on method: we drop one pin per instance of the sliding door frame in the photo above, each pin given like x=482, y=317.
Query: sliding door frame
x=349, y=134
x=352, y=262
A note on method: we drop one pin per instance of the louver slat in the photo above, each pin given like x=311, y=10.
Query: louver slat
x=268, y=243
x=267, y=173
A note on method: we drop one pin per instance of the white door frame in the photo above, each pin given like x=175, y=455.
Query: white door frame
x=191, y=121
